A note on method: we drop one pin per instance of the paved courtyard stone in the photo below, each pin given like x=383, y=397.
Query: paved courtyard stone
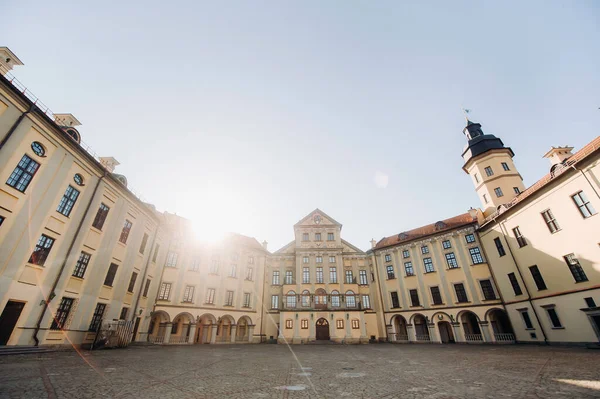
x=306, y=371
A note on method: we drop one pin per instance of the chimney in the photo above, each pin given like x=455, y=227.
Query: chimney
x=109, y=163
x=8, y=60
x=265, y=244
x=557, y=155
x=373, y=243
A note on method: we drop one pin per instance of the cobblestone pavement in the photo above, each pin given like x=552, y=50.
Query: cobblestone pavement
x=315, y=371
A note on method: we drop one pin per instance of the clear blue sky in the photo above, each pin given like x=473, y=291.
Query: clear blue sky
x=252, y=114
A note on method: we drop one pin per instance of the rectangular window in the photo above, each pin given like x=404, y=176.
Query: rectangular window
x=436, y=295
x=505, y=166
x=147, y=287
x=172, y=259
x=274, y=302
x=195, y=267
x=366, y=302
x=515, y=284
x=214, y=266
x=229, y=298
x=249, y=273
x=470, y=238
x=2, y=220
x=246, y=300
x=333, y=275
x=349, y=277
x=485, y=198
x=155, y=253
x=330, y=237
x=125, y=232
x=446, y=244
x=317, y=236
x=428, y=265
x=275, y=277
x=82, y=264
x=188, y=294
x=123, y=315
x=526, y=319
x=424, y=249
x=590, y=303
x=339, y=323
x=489, y=171
x=304, y=236
x=164, y=292
x=405, y=253
x=476, y=176
x=210, y=296
x=305, y=260
x=101, y=215
x=319, y=275
x=395, y=300
x=233, y=271
x=451, y=260
x=335, y=299
x=23, y=173
x=97, y=316
x=575, y=267
x=554, y=317
x=499, y=247
x=42, y=250
x=516, y=190
x=319, y=259
x=110, y=275
x=144, y=242
x=461, y=294
x=520, y=239
x=304, y=324
x=408, y=268
x=62, y=313
x=488, y=290
x=585, y=207
x=498, y=192
x=289, y=324
x=290, y=300
x=476, y=257
x=537, y=277
x=355, y=324
x=390, y=272
x=289, y=277
x=67, y=202
x=550, y=221
x=350, y=299
x=332, y=259
x=362, y=275
x=388, y=258
x=414, y=298
x=132, y=282
x=305, y=275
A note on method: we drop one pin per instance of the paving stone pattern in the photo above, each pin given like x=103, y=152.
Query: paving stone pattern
x=308, y=371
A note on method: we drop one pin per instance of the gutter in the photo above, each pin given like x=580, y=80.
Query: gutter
x=588, y=180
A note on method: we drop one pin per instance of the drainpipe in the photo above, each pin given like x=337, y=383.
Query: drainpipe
x=262, y=311
x=15, y=125
x=137, y=299
x=51, y=294
x=387, y=338
x=588, y=180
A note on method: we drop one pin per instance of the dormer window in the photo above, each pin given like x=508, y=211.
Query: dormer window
x=74, y=134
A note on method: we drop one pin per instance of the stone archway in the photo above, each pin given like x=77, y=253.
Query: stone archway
x=400, y=330
x=243, y=329
x=158, y=327
x=471, y=328
x=446, y=333
x=322, y=330
x=204, y=333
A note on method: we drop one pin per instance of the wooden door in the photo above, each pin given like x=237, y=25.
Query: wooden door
x=8, y=320
x=322, y=328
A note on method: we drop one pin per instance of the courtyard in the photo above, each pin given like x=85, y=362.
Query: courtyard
x=301, y=371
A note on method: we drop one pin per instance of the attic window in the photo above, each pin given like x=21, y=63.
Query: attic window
x=440, y=225
x=74, y=134
x=402, y=236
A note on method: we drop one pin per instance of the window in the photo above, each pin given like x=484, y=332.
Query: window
x=489, y=171
x=330, y=237
x=520, y=239
x=537, y=277
x=333, y=275
x=319, y=259
x=1, y=220
x=210, y=296
x=249, y=273
x=42, y=250
x=23, y=173
x=304, y=324
x=553, y=317
x=233, y=270
x=436, y=295
x=289, y=277
x=366, y=302
x=335, y=298
x=97, y=316
x=339, y=324
x=451, y=260
x=100, y=218
x=144, y=242
x=246, y=300
x=550, y=221
x=289, y=324
x=65, y=206
x=405, y=253
x=317, y=236
x=274, y=302
x=305, y=260
x=499, y=247
x=62, y=313
x=171, y=259
x=110, y=275
x=164, y=292
x=155, y=253
x=470, y=238
x=408, y=268
x=585, y=207
x=355, y=324
x=123, y=315
x=476, y=176
x=38, y=149
x=229, y=298
x=526, y=319
x=147, y=287
x=590, y=303
x=319, y=275
x=132, y=282
x=485, y=198
x=414, y=298
x=275, y=277
x=188, y=294
x=516, y=190
x=390, y=272
x=304, y=236
x=125, y=232
x=362, y=276
x=476, y=257
x=515, y=284
x=505, y=166
x=350, y=299
x=251, y=260
x=395, y=300
x=575, y=267
x=290, y=299
x=349, y=277
x=305, y=298
x=82, y=264
x=305, y=275
x=498, y=192
x=461, y=294
x=195, y=265
x=428, y=265
x=446, y=244
x=174, y=328
x=424, y=249
x=388, y=258
x=214, y=267
x=332, y=259
x=488, y=290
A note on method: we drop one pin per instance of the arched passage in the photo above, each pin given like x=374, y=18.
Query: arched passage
x=446, y=333
x=421, y=328
x=400, y=330
x=224, y=328
x=181, y=328
x=157, y=326
x=243, y=329
x=470, y=323
x=205, y=328
x=501, y=326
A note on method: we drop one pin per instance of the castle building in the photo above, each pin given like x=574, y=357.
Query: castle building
x=81, y=256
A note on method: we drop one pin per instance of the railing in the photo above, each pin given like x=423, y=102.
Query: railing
x=504, y=337
x=178, y=339
x=399, y=337
x=473, y=338
x=424, y=338
x=156, y=339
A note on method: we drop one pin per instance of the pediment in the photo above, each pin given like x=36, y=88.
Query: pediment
x=317, y=218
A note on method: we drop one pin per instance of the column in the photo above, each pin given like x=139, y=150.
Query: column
x=485, y=331
x=390, y=333
x=251, y=333
x=363, y=330
x=348, y=327
x=167, y=337
x=312, y=330
x=458, y=332
x=233, y=332
x=412, y=335
x=213, y=333
x=434, y=336
x=192, y=334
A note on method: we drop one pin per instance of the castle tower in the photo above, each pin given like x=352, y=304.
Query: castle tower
x=490, y=165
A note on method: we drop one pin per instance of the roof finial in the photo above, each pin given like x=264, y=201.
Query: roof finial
x=466, y=112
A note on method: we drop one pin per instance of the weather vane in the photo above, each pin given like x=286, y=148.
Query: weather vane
x=466, y=112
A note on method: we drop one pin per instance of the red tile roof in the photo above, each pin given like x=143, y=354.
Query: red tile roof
x=428, y=230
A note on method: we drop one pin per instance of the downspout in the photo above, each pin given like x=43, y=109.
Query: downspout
x=503, y=229
x=64, y=263
x=262, y=312
x=387, y=338
x=15, y=125
x=588, y=180
x=137, y=299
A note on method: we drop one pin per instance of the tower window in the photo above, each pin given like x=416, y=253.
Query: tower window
x=485, y=198
x=505, y=166
x=516, y=190
x=498, y=192
x=476, y=176
x=489, y=171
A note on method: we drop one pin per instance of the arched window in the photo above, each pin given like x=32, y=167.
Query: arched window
x=290, y=299
x=74, y=134
x=335, y=298
x=305, y=298
x=350, y=299
x=320, y=298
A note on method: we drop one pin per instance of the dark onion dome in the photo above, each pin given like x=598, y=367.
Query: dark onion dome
x=479, y=142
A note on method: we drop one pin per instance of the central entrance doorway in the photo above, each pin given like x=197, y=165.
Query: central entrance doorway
x=322, y=330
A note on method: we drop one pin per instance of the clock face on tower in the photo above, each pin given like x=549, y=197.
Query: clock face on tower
x=317, y=219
